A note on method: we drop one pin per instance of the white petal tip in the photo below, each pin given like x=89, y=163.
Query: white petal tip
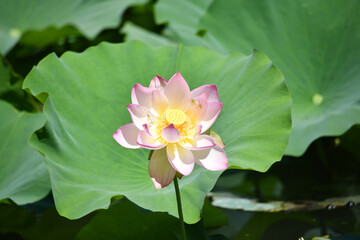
x=126, y=136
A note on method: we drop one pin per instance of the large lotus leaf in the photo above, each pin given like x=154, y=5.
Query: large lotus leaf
x=316, y=44
x=134, y=32
x=23, y=175
x=171, y=12
x=87, y=98
x=181, y=17
x=89, y=16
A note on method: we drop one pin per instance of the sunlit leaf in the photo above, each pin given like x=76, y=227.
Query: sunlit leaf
x=318, y=53
x=23, y=176
x=88, y=94
x=321, y=238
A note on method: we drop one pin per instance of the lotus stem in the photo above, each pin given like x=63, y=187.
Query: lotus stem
x=178, y=200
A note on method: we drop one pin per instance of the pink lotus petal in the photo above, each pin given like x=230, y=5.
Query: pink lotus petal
x=126, y=136
x=212, y=112
x=197, y=108
x=158, y=83
x=177, y=92
x=210, y=90
x=161, y=171
x=201, y=99
x=139, y=115
x=171, y=134
x=180, y=158
x=200, y=143
x=216, y=138
x=213, y=159
x=159, y=101
x=147, y=141
x=141, y=95
x=199, y=127
x=146, y=128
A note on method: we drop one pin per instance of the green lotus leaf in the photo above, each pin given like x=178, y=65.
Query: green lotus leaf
x=318, y=53
x=89, y=16
x=134, y=32
x=181, y=17
x=86, y=104
x=24, y=178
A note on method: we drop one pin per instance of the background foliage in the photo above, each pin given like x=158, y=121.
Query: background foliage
x=315, y=44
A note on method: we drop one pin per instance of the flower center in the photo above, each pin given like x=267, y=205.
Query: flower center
x=175, y=116
x=181, y=121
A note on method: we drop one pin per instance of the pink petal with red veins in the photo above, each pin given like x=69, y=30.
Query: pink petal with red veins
x=213, y=159
x=210, y=90
x=177, y=92
x=200, y=143
x=147, y=141
x=159, y=101
x=180, y=158
x=197, y=108
x=158, y=83
x=126, y=136
x=141, y=95
x=139, y=115
x=212, y=112
x=161, y=171
x=171, y=134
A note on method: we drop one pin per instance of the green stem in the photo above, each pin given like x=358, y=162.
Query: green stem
x=178, y=199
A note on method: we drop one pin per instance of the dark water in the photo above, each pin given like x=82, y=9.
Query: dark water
x=339, y=223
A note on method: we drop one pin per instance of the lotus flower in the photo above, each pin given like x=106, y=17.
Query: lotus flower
x=171, y=120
